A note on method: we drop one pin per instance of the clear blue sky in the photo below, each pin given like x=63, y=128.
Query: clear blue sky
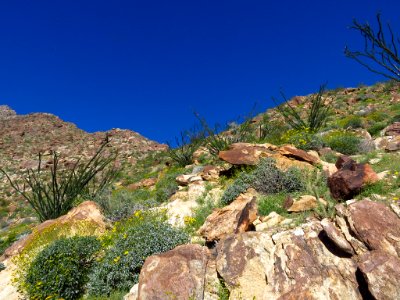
x=147, y=65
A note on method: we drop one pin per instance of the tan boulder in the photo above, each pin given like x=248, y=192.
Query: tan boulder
x=305, y=203
x=293, y=264
x=87, y=211
x=382, y=274
x=234, y=218
x=394, y=144
x=176, y=274
x=392, y=129
x=147, y=182
x=298, y=154
x=376, y=225
x=336, y=236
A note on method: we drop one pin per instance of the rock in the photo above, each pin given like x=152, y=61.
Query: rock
x=246, y=153
x=293, y=264
x=334, y=234
x=234, y=218
x=7, y=289
x=305, y=202
x=393, y=129
x=176, y=274
x=184, y=180
x=393, y=145
x=288, y=202
x=376, y=225
x=382, y=142
x=298, y=154
x=382, y=273
x=145, y=183
x=351, y=177
x=272, y=220
x=328, y=168
x=201, y=154
x=211, y=173
x=133, y=293
x=87, y=211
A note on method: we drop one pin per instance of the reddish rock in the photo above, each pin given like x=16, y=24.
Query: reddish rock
x=246, y=153
x=376, y=225
x=211, y=173
x=235, y=218
x=87, y=211
x=176, y=274
x=393, y=129
x=298, y=154
x=148, y=182
x=382, y=273
x=351, y=177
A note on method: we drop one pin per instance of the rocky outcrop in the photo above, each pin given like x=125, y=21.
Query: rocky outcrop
x=350, y=178
x=235, y=218
x=6, y=112
x=177, y=274
x=392, y=129
x=354, y=256
x=285, y=157
x=87, y=211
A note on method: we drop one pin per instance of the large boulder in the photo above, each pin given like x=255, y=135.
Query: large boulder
x=376, y=225
x=285, y=157
x=293, y=264
x=235, y=218
x=87, y=212
x=381, y=272
x=392, y=129
x=350, y=178
x=176, y=274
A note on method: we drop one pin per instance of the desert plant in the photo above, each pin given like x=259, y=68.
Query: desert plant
x=266, y=178
x=342, y=141
x=52, y=192
x=316, y=116
x=380, y=54
x=61, y=269
x=188, y=142
x=127, y=246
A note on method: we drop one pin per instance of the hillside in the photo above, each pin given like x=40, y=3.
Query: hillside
x=262, y=210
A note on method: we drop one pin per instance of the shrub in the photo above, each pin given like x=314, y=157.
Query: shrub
x=127, y=246
x=52, y=192
x=303, y=139
x=375, y=128
x=342, y=141
x=122, y=203
x=166, y=186
x=270, y=203
x=351, y=122
x=40, y=239
x=61, y=269
x=267, y=178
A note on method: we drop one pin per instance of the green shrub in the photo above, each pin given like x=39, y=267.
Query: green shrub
x=375, y=128
x=166, y=186
x=61, y=269
x=351, y=122
x=270, y=203
x=52, y=192
x=342, y=141
x=122, y=203
x=188, y=142
x=303, y=139
x=126, y=248
x=267, y=179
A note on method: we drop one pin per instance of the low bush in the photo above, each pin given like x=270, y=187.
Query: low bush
x=126, y=248
x=61, y=269
x=123, y=203
x=303, y=139
x=342, y=141
x=351, y=122
x=375, y=128
x=266, y=178
x=270, y=203
x=166, y=186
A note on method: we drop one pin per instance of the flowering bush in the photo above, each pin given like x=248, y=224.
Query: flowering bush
x=126, y=248
x=60, y=270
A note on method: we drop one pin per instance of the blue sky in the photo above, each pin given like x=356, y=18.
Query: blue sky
x=147, y=65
